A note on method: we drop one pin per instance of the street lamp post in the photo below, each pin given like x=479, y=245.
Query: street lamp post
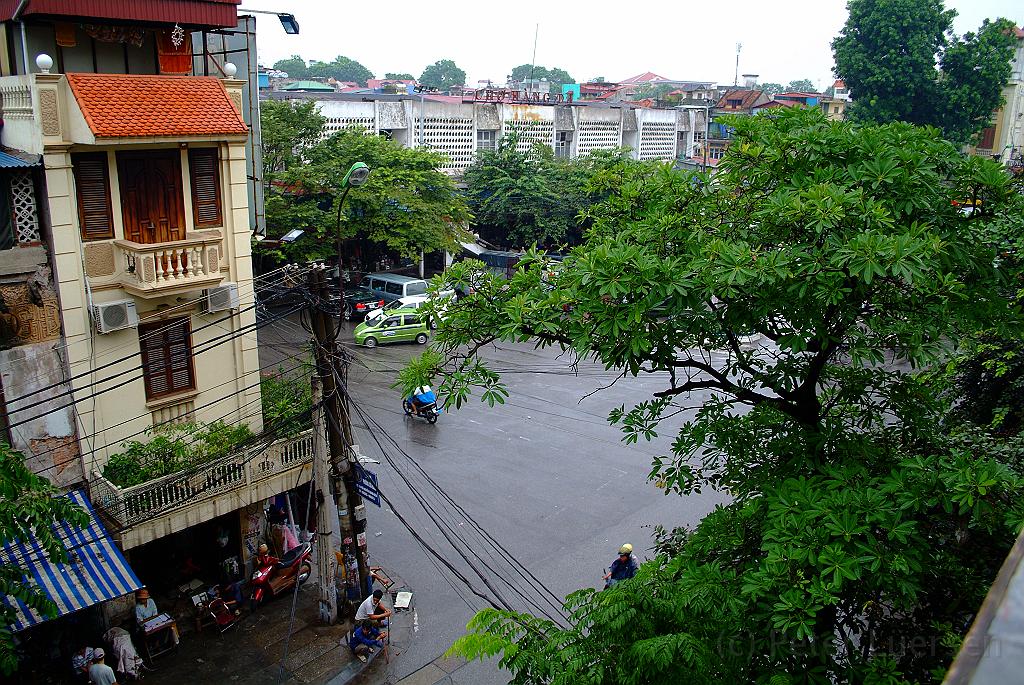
x=354, y=177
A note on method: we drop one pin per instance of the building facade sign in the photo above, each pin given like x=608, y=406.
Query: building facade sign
x=524, y=96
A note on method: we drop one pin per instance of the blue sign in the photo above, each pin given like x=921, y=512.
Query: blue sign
x=366, y=485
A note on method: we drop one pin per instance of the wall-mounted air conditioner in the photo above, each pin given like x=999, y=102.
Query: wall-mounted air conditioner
x=220, y=298
x=114, y=316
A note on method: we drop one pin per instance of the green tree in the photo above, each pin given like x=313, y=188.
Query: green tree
x=771, y=89
x=902, y=62
x=803, y=85
x=294, y=66
x=407, y=203
x=288, y=128
x=852, y=522
x=29, y=507
x=399, y=77
x=341, y=69
x=556, y=77
x=443, y=74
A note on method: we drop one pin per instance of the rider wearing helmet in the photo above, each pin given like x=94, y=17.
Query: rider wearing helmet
x=623, y=568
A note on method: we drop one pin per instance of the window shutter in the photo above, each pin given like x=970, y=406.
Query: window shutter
x=167, y=357
x=988, y=138
x=92, y=185
x=206, y=206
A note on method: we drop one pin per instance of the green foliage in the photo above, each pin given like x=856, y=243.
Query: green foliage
x=294, y=66
x=804, y=85
x=859, y=540
x=341, y=69
x=407, y=203
x=772, y=88
x=287, y=403
x=902, y=62
x=521, y=198
x=399, y=77
x=442, y=75
x=288, y=128
x=173, y=448
x=556, y=77
x=29, y=507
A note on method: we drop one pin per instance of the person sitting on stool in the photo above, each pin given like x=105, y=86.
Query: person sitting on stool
x=374, y=609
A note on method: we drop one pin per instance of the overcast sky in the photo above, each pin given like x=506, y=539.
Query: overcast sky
x=782, y=40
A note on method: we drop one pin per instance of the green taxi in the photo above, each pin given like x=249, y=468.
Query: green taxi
x=400, y=325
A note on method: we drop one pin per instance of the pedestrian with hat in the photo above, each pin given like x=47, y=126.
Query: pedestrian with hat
x=99, y=672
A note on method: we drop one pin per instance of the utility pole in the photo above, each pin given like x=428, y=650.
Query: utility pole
x=736, y=78
x=332, y=369
x=327, y=523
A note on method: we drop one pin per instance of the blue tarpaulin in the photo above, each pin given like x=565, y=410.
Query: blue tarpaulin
x=95, y=572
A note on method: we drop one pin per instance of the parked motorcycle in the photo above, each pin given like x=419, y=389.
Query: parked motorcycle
x=425, y=406
x=274, y=579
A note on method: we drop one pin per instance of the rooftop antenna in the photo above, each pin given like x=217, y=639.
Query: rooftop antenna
x=533, y=60
x=736, y=78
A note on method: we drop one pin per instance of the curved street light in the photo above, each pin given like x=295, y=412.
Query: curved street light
x=356, y=176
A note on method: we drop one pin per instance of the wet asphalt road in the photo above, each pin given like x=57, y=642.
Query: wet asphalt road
x=545, y=475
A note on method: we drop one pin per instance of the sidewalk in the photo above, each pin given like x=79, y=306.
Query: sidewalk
x=250, y=652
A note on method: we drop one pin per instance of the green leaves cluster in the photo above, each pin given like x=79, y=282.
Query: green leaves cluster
x=287, y=403
x=824, y=264
x=408, y=203
x=341, y=68
x=29, y=507
x=173, y=448
x=443, y=74
x=525, y=197
x=902, y=62
x=555, y=76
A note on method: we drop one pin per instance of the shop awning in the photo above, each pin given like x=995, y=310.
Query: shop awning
x=96, y=570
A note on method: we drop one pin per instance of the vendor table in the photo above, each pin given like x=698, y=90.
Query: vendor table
x=161, y=635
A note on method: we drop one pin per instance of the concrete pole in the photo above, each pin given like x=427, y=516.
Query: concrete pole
x=327, y=515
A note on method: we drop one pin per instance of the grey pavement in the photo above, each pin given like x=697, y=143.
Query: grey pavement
x=544, y=474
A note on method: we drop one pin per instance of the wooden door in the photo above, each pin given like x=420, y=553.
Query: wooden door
x=151, y=197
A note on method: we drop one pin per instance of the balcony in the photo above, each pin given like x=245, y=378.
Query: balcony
x=151, y=510
x=159, y=269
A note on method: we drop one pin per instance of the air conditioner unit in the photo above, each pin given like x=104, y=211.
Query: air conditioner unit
x=113, y=316
x=221, y=298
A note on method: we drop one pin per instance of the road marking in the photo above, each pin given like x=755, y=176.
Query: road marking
x=526, y=439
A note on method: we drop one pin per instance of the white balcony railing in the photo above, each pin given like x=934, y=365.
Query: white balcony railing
x=157, y=269
x=238, y=471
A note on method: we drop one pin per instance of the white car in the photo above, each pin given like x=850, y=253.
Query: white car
x=407, y=302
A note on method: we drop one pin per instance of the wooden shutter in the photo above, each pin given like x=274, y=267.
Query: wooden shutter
x=206, y=207
x=988, y=138
x=92, y=184
x=167, y=357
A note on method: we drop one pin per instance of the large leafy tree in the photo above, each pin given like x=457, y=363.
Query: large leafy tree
x=855, y=530
x=521, y=198
x=342, y=69
x=294, y=66
x=399, y=77
x=442, y=75
x=772, y=88
x=29, y=507
x=555, y=76
x=902, y=62
x=407, y=203
x=288, y=128
x=803, y=85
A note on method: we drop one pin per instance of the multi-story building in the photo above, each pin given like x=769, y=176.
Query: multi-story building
x=1003, y=140
x=125, y=269
x=460, y=126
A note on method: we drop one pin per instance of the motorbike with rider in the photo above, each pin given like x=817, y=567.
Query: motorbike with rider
x=422, y=404
x=624, y=567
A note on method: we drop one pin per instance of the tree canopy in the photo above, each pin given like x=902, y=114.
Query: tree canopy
x=294, y=66
x=521, y=198
x=407, y=203
x=902, y=62
x=341, y=69
x=556, y=77
x=29, y=507
x=802, y=285
x=443, y=74
x=399, y=77
x=803, y=85
x=772, y=88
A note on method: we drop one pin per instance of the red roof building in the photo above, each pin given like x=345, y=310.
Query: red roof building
x=132, y=106
x=219, y=13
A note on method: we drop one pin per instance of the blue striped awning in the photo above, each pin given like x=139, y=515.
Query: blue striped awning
x=9, y=161
x=95, y=572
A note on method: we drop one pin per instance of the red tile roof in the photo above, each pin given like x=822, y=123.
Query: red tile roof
x=131, y=106
x=747, y=99
x=645, y=77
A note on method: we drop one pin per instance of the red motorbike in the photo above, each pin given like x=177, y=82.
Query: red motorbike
x=271, y=580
